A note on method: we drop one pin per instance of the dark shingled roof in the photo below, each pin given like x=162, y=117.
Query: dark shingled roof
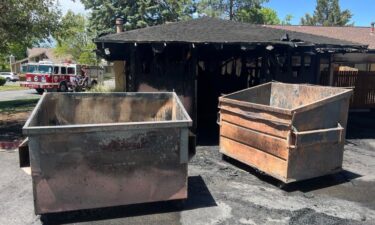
x=361, y=35
x=210, y=30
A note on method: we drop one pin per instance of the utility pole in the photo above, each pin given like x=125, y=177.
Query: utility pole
x=230, y=9
x=11, y=60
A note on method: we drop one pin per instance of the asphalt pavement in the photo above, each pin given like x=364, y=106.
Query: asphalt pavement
x=31, y=93
x=226, y=192
x=18, y=94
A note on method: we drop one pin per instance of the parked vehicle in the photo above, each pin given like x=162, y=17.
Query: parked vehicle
x=10, y=76
x=60, y=77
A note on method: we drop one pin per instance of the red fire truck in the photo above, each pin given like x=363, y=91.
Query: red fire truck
x=63, y=77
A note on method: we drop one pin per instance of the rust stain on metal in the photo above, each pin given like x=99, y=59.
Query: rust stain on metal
x=135, y=142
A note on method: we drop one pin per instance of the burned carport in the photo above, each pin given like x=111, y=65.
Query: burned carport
x=204, y=58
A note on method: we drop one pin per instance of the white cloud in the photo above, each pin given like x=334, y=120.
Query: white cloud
x=75, y=6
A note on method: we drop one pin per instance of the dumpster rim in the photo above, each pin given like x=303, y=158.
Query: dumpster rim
x=104, y=127
x=95, y=127
x=344, y=94
x=225, y=99
x=256, y=106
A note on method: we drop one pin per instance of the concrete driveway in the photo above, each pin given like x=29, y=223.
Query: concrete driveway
x=226, y=192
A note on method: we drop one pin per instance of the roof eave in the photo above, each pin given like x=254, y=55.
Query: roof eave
x=289, y=43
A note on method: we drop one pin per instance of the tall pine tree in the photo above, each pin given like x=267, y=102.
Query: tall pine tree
x=240, y=10
x=136, y=14
x=328, y=13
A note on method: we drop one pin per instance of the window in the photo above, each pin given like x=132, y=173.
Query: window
x=32, y=68
x=71, y=70
x=361, y=67
x=63, y=70
x=56, y=70
x=296, y=60
x=307, y=60
x=45, y=69
x=24, y=68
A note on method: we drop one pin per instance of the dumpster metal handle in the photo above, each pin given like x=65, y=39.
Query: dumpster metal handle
x=305, y=138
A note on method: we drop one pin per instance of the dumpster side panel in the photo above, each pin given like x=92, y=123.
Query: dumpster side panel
x=260, y=94
x=261, y=160
x=269, y=144
x=323, y=117
x=266, y=127
x=321, y=152
x=290, y=96
x=100, y=169
x=264, y=115
x=314, y=161
x=129, y=109
x=254, y=136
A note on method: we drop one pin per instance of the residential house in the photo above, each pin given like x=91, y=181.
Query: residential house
x=39, y=54
x=202, y=59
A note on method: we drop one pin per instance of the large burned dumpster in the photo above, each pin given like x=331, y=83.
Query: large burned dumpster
x=289, y=131
x=90, y=150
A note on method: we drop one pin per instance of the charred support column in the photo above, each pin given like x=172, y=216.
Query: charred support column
x=331, y=69
x=119, y=66
x=130, y=78
x=317, y=68
x=194, y=84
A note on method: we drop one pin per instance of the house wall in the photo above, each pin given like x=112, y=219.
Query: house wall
x=201, y=74
x=170, y=70
x=360, y=61
x=352, y=70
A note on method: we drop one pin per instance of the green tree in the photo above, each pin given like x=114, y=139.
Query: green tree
x=250, y=11
x=328, y=13
x=74, y=39
x=136, y=14
x=25, y=22
x=269, y=16
x=258, y=16
x=287, y=20
x=18, y=50
x=240, y=10
x=212, y=8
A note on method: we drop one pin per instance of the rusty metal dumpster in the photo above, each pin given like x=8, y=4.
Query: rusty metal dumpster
x=90, y=150
x=292, y=132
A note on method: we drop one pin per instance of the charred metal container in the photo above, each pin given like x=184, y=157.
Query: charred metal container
x=90, y=150
x=290, y=131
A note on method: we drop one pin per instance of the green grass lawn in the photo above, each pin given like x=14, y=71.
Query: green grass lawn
x=11, y=88
x=22, y=105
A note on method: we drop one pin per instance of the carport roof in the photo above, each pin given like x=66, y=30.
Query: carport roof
x=212, y=30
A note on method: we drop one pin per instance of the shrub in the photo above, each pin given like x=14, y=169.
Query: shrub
x=2, y=81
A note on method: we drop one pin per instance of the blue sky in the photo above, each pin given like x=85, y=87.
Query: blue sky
x=363, y=10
